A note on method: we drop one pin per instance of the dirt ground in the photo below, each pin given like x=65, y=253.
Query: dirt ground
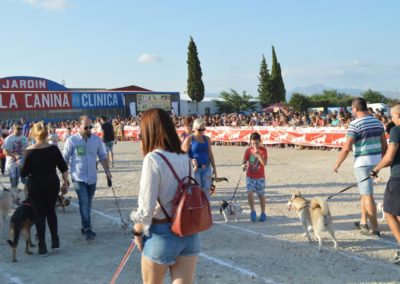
x=242, y=252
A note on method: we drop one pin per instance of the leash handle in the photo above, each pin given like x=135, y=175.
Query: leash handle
x=347, y=188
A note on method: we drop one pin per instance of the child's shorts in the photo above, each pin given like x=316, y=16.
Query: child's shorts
x=255, y=185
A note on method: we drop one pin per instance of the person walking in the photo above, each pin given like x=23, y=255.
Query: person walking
x=161, y=248
x=2, y=155
x=198, y=146
x=391, y=199
x=254, y=162
x=366, y=136
x=108, y=138
x=14, y=147
x=80, y=152
x=43, y=184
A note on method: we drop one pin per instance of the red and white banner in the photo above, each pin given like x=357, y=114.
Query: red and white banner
x=323, y=136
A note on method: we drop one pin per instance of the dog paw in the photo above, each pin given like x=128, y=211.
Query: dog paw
x=14, y=260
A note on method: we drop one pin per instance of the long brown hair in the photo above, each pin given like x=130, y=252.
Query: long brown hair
x=158, y=131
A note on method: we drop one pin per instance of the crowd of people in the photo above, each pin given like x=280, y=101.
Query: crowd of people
x=32, y=153
x=281, y=118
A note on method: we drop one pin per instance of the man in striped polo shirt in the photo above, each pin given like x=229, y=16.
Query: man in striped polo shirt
x=366, y=135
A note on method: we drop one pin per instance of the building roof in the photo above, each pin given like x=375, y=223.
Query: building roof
x=132, y=88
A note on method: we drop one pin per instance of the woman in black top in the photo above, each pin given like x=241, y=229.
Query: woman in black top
x=40, y=165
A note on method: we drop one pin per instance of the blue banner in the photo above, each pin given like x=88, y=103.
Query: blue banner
x=97, y=100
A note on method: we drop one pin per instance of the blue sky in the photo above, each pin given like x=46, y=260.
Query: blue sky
x=341, y=44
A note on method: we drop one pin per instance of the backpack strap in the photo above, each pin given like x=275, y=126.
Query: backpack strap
x=169, y=165
x=175, y=175
x=163, y=209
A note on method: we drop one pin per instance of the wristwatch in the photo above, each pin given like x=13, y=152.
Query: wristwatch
x=136, y=234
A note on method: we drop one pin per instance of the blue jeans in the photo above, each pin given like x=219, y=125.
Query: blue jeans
x=203, y=177
x=85, y=194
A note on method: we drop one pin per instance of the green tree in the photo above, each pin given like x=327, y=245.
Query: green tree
x=374, y=97
x=234, y=102
x=330, y=98
x=264, y=88
x=299, y=102
x=195, y=86
x=281, y=85
x=277, y=86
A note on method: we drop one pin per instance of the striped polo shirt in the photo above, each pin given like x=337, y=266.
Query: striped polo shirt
x=366, y=132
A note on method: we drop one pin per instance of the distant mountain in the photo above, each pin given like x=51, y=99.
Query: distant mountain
x=319, y=88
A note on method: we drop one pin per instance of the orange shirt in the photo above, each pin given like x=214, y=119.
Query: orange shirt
x=254, y=168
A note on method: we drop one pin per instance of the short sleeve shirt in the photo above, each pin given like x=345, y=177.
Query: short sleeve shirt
x=367, y=148
x=395, y=138
x=254, y=168
x=15, y=145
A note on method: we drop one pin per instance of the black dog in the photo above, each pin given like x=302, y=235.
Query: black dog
x=21, y=222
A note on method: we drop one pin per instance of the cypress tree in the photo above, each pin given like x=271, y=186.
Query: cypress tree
x=195, y=86
x=264, y=93
x=277, y=86
x=281, y=85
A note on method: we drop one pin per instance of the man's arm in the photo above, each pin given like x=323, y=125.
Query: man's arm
x=68, y=150
x=344, y=153
x=384, y=144
x=103, y=159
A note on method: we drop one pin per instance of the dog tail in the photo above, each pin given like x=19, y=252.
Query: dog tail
x=320, y=203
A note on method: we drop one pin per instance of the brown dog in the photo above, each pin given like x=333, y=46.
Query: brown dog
x=21, y=222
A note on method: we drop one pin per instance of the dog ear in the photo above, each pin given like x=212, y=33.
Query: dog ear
x=297, y=193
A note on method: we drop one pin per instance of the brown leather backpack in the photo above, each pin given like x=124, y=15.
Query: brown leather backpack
x=191, y=211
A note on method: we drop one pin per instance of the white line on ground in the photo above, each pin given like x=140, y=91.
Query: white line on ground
x=10, y=279
x=242, y=271
x=355, y=257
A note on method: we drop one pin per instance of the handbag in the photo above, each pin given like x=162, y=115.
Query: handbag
x=191, y=210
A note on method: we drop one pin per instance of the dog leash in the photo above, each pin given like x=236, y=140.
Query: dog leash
x=347, y=188
x=123, y=262
x=237, y=185
x=124, y=224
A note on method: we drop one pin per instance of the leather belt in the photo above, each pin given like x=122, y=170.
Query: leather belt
x=160, y=221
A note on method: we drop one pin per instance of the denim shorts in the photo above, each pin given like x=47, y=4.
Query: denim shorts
x=203, y=177
x=365, y=187
x=108, y=146
x=255, y=185
x=162, y=246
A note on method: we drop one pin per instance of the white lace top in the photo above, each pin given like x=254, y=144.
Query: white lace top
x=157, y=181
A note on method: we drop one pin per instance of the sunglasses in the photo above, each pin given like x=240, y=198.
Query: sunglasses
x=19, y=128
x=201, y=129
x=88, y=127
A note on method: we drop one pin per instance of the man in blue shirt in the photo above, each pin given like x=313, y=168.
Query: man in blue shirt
x=80, y=152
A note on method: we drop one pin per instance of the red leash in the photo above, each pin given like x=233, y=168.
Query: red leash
x=123, y=262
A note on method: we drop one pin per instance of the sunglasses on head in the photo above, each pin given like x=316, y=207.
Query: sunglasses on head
x=19, y=128
x=201, y=129
x=88, y=127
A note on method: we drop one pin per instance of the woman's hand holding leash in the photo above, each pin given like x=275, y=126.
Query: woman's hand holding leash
x=138, y=238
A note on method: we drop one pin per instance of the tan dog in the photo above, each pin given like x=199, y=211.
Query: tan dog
x=379, y=208
x=313, y=215
x=63, y=201
x=7, y=198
